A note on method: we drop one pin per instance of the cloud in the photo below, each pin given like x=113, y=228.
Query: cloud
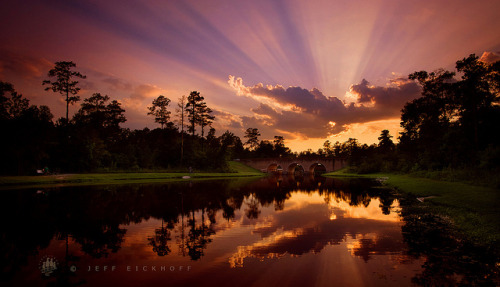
x=117, y=83
x=144, y=91
x=391, y=97
x=490, y=57
x=24, y=66
x=226, y=121
x=310, y=114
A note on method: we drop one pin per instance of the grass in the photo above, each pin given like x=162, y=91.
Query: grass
x=473, y=209
x=14, y=182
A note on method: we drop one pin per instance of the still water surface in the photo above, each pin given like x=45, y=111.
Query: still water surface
x=311, y=231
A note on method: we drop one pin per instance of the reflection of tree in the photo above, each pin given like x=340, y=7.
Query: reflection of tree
x=227, y=212
x=253, y=211
x=181, y=239
x=159, y=241
x=100, y=241
x=91, y=216
x=385, y=204
x=64, y=275
x=447, y=254
x=198, y=237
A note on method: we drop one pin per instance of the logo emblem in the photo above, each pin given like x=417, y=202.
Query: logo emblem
x=48, y=265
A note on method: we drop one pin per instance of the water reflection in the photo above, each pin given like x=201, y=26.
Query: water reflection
x=215, y=229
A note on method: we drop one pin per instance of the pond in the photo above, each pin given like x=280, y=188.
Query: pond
x=286, y=231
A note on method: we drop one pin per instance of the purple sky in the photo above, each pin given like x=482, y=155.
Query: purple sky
x=307, y=70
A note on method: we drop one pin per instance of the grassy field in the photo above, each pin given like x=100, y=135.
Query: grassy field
x=12, y=182
x=473, y=209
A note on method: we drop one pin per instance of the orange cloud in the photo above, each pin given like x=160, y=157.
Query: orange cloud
x=311, y=114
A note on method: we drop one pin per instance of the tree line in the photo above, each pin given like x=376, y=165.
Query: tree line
x=454, y=124
x=93, y=140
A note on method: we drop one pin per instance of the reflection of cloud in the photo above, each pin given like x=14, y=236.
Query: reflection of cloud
x=385, y=238
x=309, y=113
x=370, y=244
x=306, y=226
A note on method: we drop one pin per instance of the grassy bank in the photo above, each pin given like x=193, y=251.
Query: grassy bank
x=13, y=182
x=473, y=209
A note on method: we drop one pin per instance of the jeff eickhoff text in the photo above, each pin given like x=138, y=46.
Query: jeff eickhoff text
x=137, y=268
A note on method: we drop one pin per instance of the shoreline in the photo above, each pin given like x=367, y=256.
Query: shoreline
x=472, y=209
x=74, y=179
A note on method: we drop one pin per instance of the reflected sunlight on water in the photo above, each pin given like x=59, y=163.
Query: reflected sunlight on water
x=315, y=231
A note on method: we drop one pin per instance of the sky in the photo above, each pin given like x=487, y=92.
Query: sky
x=307, y=70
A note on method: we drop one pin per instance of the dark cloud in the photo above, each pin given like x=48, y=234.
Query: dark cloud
x=27, y=67
x=311, y=114
x=391, y=97
x=117, y=83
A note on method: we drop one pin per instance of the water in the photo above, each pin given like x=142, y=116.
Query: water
x=251, y=232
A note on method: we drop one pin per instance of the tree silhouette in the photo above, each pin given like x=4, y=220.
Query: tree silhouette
x=385, y=142
x=181, y=114
x=64, y=83
x=279, y=146
x=253, y=211
x=198, y=237
x=194, y=108
x=252, y=135
x=26, y=132
x=205, y=119
x=159, y=110
x=478, y=95
x=11, y=106
x=159, y=241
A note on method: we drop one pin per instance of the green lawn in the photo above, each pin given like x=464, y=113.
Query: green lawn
x=10, y=182
x=474, y=209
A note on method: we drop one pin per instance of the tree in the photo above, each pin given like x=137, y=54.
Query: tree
x=194, y=102
x=385, y=142
x=426, y=120
x=97, y=112
x=13, y=106
x=231, y=144
x=252, y=135
x=97, y=130
x=279, y=146
x=205, y=119
x=181, y=114
x=159, y=110
x=26, y=132
x=64, y=83
x=478, y=96
x=328, y=148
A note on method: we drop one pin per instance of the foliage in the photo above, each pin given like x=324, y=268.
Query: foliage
x=159, y=110
x=252, y=135
x=193, y=106
x=64, y=83
x=453, y=125
x=454, y=120
x=26, y=130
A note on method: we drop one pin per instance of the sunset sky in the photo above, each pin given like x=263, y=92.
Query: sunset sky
x=308, y=70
